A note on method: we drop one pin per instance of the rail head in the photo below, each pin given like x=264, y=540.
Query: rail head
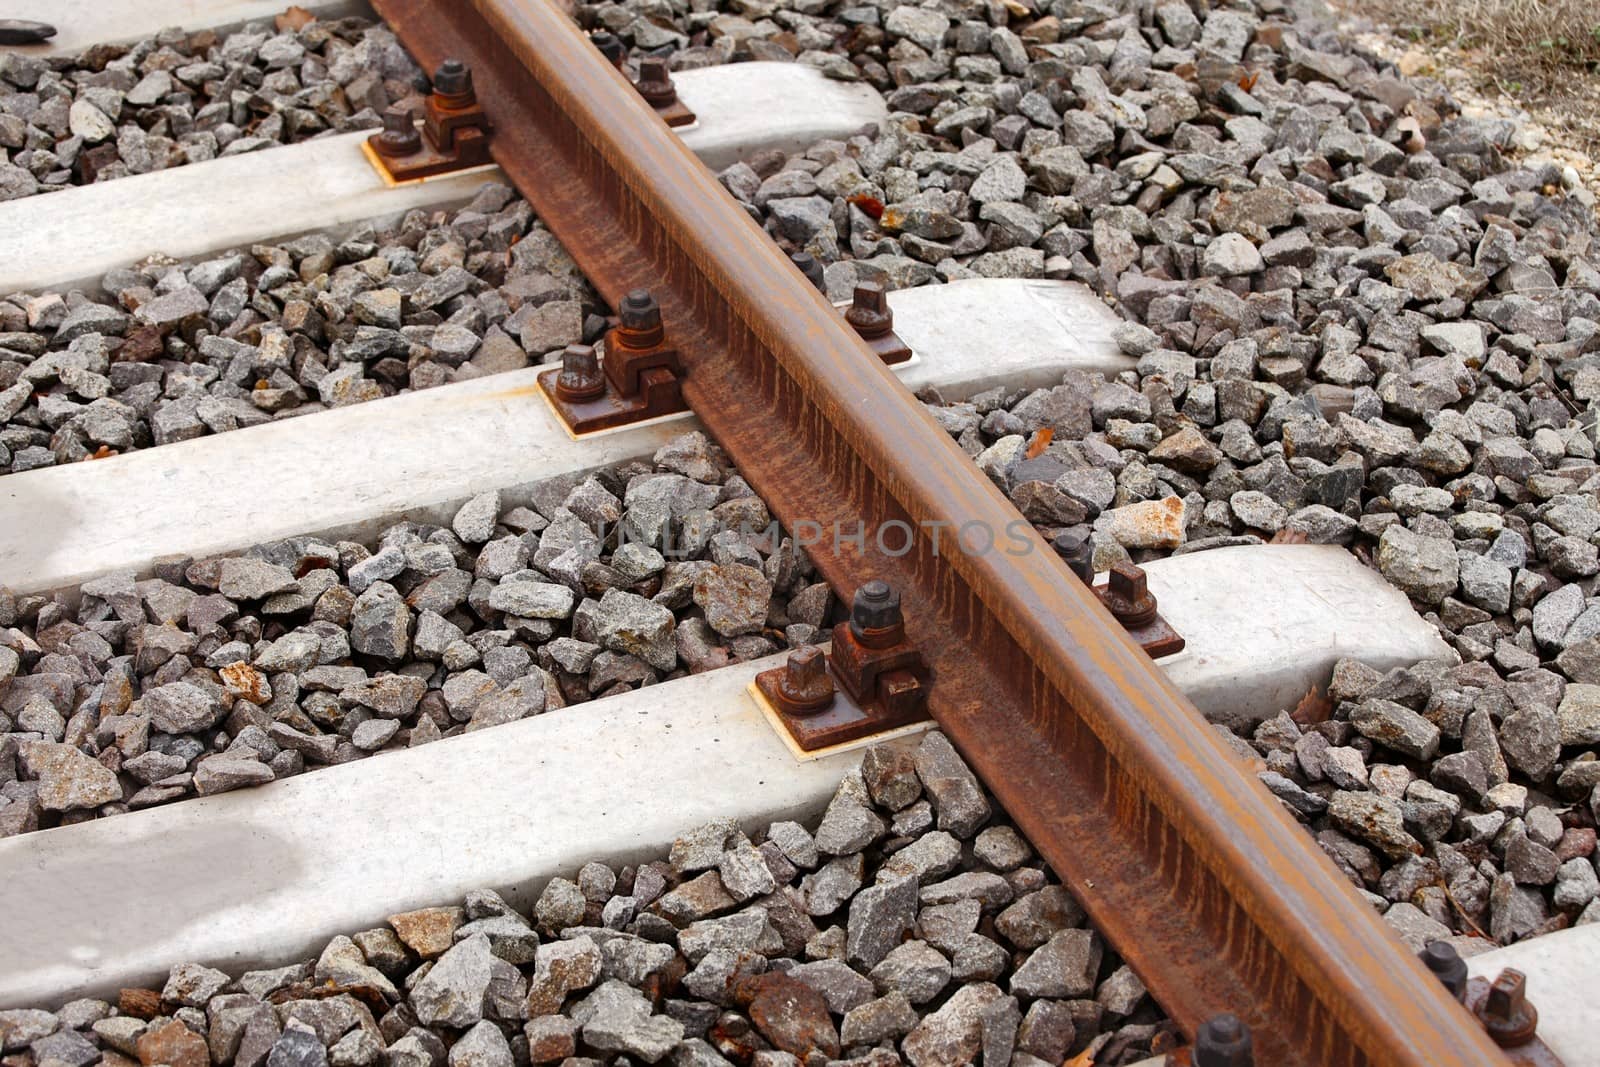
x=1187, y=864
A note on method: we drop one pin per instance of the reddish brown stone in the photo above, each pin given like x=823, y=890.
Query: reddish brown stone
x=792, y=1015
x=139, y=1003
x=551, y=1038
x=428, y=932
x=1578, y=842
x=174, y=1044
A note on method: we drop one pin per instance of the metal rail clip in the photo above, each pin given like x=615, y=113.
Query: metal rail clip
x=638, y=379
x=454, y=135
x=884, y=677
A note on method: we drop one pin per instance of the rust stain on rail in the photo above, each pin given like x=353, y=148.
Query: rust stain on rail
x=1187, y=865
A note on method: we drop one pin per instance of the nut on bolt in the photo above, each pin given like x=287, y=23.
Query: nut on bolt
x=869, y=311
x=1223, y=1041
x=875, y=617
x=1441, y=958
x=1505, y=1011
x=1128, y=596
x=611, y=46
x=400, y=136
x=639, y=318
x=655, y=82
x=580, y=377
x=1076, y=550
x=805, y=687
x=807, y=264
x=453, y=81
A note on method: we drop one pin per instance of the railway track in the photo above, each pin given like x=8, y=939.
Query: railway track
x=728, y=370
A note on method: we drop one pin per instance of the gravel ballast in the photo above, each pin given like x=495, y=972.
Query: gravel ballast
x=178, y=98
x=221, y=673
x=169, y=352
x=1356, y=320
x=910, y=924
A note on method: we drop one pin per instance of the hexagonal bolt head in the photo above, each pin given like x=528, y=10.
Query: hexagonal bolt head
x=1441, y=958
x=1223, y=1041
x=580, y=377
x=611, y=46
x=876, y=607
x=400, y=136
x=869, y=310
x=639, y=311
x=1076, y=550
x=807, y=264
x=453, y=78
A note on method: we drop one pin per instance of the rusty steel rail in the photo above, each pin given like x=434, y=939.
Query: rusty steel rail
x=1183, y=860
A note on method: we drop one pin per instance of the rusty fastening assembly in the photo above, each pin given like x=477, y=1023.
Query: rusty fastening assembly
x=1126, y=595
x=638, y=378
x=655, y=80
x=882, y=675
x=1501, y=1006
x=454, y=134
x=655, y=85
x=25, y=31
x=870, y=315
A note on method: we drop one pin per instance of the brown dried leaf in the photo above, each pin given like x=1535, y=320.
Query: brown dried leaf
x=1041, y=441
x=1313, y=708
x=294, y=20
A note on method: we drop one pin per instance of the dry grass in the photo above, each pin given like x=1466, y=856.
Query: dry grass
x=1537, y=42
x=1545, y=54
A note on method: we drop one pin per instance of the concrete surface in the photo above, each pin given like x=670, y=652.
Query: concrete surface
x=265, y=876
x=60, y=240
x=345, y=473
x=81, y=23
x=1262, y=619
x=1562, y=986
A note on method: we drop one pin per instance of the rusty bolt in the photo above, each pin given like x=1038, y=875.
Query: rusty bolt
x=807, y=264
x=805, y=687
x=1077, y=551
x=1128, y=597
x=1223, y=1041
x=875, y=617
x=1446, y=963
x=869, y=311
x=580, y=377
x=400, y=136
x=655, y=83
x=639, y=319
x=1506, y=1013
x=453, y=81
x=611, y=47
